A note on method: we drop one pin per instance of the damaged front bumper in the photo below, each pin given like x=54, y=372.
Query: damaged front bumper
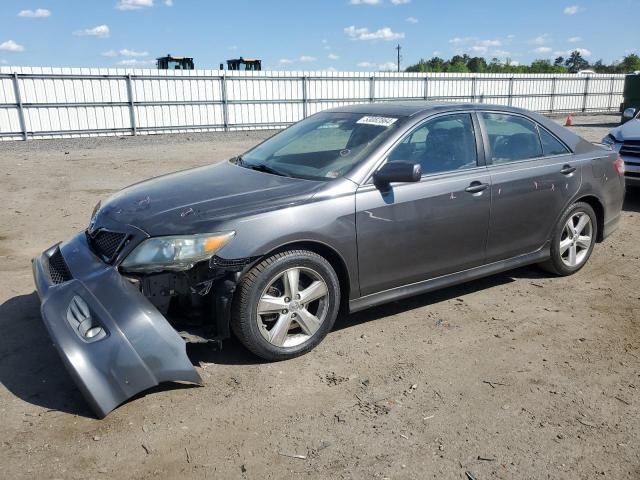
x=112, y=340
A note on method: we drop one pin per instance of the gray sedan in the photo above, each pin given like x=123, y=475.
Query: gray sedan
x=347, y=209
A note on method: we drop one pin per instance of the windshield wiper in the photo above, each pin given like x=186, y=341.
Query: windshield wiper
x=260, y=167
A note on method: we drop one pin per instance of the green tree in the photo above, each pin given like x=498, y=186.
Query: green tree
x=629, y=64
x=477, y=65
x=575, y=62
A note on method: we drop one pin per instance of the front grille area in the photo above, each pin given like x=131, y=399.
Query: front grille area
x=631, y=148
x=106, y=243
x=58, y=270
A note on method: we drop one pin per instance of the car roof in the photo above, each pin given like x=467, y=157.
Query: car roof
x=411, y=108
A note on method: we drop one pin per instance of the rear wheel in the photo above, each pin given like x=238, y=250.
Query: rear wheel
x=286, y=304
x=573, y=240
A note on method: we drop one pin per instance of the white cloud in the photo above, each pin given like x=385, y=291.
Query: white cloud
x=125, y=52
x=365, y=2
x=575, y=39
x=572, y=9
x=381, y=66
x=566, y=53
x=168, y=3
x=134, y=4
x=400, y=2
x=540, y=40
x=333, y=56
x=460, y=40
x=101, y=31
x=500, y=53
x=384, y=33
x=479, y=49
x=436, y=53
x=388, y=66
x=490, y=43
x=134, y=62
x=37, y=13
x=412, y=20
x=11, y=46
x=307, y=58
x=109, y=53
x=542, y=50
x=286, y=61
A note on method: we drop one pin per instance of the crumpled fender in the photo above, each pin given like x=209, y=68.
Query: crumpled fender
x=138, y=349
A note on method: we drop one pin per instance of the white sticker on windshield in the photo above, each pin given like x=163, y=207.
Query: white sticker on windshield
x=381, y=121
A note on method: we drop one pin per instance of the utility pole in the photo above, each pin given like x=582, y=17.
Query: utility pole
x=398, y=48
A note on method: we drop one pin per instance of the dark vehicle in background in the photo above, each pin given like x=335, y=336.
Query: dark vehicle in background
x=174, y=63
x=631, y=97
x=347, y=209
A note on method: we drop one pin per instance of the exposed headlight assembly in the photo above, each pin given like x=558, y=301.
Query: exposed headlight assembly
x=176, y=253
x=609, y=140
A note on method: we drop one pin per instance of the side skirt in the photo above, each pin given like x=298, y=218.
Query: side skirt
x=437, y=283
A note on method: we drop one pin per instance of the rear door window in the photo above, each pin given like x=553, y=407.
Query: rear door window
x=511, y=138
x=550, y=144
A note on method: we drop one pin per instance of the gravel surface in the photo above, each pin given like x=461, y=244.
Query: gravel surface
x=519, y=375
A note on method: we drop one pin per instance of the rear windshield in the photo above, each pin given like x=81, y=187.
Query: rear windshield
x=322, y=147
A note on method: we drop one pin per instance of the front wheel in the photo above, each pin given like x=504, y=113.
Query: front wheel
x=286, y=305
x=573, y=240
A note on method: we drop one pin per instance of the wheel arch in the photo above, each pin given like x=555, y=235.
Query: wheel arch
x=595, y=203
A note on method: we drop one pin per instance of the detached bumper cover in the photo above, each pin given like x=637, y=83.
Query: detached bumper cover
x=134, y=348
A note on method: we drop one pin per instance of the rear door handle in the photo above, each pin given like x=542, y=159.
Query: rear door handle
x=476, y=187
x=567, y=170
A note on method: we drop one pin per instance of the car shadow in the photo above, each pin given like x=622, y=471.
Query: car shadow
x=30, y=367
x=632, y=200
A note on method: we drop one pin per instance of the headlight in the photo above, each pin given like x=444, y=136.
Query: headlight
x=609, y=140
x=175, y=252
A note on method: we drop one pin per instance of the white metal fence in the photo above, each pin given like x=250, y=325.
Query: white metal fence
x=70, y=102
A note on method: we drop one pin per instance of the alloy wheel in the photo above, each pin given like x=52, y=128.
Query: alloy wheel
x=292, y=307
x=576, y=239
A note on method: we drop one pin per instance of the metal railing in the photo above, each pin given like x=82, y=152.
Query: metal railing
x=232, y=102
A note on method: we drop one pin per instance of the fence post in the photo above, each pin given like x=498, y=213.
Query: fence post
x=586, y=94
x=553, y=94
x=511, y=91
x=613, y=80
x=225, y=102
x=426, y=88
x=305, y=99
x=16, y=91
x=132, y=110
x=372, y=89
x=473, y=89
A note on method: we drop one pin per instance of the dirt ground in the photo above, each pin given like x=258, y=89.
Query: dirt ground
x=519, y=375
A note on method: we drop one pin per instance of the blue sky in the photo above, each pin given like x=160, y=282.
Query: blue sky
x=310, y=34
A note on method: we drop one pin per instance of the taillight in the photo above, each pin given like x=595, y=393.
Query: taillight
x=619, y=166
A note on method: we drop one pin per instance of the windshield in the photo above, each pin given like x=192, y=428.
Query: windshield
x=322, y=147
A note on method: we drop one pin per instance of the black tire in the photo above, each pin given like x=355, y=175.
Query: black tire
x=555, y=264
x=244, y=319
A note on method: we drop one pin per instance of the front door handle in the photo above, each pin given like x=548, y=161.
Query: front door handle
x=476, y=187
x=567, y=169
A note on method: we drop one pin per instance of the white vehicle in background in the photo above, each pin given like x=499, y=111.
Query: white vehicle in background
x=625, y=139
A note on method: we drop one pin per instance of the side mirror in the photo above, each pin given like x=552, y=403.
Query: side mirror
x=397, y=172
x=628, y=113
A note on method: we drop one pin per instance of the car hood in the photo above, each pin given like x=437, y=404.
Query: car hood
x=197, y=200
x=629, y=131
